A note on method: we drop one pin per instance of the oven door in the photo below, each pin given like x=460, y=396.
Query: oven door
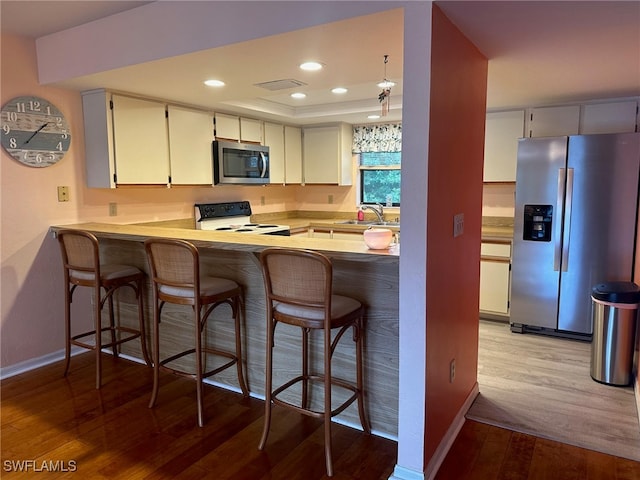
x=237, y=163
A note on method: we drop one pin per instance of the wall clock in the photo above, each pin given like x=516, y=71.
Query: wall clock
x=34, y=131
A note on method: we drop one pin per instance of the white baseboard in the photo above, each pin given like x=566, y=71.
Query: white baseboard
x=402, y=473
x=33, y=363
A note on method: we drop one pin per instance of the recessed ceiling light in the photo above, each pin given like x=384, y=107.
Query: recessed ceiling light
x=311, y=66
x=386, y=84
x=298, y=95
x=373, y=117
x=339, y=90
x=214, y=83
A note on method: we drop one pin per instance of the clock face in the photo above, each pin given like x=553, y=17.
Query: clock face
x=34, y=131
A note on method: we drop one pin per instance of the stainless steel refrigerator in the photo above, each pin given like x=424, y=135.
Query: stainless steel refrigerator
x=575, y=226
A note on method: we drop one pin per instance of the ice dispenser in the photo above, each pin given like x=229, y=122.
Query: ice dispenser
x=537, y=223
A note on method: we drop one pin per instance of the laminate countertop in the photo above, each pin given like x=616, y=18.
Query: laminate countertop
x=352, y=250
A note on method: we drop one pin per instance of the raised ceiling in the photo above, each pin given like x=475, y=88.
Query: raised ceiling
x=539, y=53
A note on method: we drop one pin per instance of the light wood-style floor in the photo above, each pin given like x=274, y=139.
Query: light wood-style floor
x=542, y=386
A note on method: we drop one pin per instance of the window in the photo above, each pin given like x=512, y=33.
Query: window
x=380, y=177
x=379, y=153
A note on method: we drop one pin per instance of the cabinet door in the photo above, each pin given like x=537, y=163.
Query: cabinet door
x=292, y=154
x=274, y=139
x=618, y=117
x=326, y=154
x=503, y=129
x=141, y=142
x=250, y=130
x=190, y=146
x=554, y=121
x=227, y=126
x=98, y=139
x=494, y=286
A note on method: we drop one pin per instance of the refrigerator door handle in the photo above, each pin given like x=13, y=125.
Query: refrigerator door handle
x=557, y=234
x=567, y=221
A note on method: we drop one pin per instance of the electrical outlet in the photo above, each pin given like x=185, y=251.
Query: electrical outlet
x=330, y=199
x=458, y=225
x=113, y=209
x=452, y=370
x=262, y=200
x=63, y=194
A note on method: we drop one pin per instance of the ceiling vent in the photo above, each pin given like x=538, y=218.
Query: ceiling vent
x=280, y=84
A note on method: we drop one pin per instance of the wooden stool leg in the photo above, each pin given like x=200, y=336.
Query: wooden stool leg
x=327, y=402
x=67, y=328
x=358, y=330
x=97, y=314
x=235, y=307
x=268, y=385
x=156, y=351
x=143, y=334
x=305, y=368
x=199, y=392
x=112, y=325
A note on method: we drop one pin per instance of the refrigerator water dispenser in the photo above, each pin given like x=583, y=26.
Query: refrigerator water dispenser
x=537, y=223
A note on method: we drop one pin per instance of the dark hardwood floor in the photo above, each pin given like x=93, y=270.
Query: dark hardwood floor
x=55, y=427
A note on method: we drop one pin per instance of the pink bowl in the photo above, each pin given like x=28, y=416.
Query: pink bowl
x=378, y=238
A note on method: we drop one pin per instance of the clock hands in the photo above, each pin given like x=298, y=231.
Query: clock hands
x=35, y=133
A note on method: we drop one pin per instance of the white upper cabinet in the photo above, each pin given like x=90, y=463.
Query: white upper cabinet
x=98, y=139
x=274, y=139
x=618, y=117
x=503, y=129
x=227, y=126
x=190, y=146
x=293, y=154
x=554, y=121
x=251, y=130
x=285, y=153
x=326, y=154
x=141, y=141
x=126, y=140
x=232, y=127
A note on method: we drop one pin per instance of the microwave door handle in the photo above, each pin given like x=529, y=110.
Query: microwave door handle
x=263, y=160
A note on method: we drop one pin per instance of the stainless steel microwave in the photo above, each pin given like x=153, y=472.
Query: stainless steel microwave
x=240, y=163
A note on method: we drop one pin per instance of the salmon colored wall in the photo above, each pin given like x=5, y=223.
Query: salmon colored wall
x=31, y=286
x=636, y=279
x=456, y=151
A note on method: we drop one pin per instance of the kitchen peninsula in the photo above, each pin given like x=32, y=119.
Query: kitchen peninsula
x=371, y=276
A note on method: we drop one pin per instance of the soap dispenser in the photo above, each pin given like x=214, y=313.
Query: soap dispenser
x=360, y=214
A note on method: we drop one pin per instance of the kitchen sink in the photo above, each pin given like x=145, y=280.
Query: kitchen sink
x=371, y=223
x=357, y=222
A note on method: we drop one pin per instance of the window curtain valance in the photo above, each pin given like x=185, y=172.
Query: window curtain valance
x=377, y=138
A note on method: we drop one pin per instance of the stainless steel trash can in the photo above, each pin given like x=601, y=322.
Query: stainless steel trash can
x=615, y=314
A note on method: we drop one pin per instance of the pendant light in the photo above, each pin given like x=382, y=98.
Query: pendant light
x=386, y=85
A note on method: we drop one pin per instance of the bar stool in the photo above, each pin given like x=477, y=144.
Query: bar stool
x=175, y=274
x=82, y=268
x=298, y=285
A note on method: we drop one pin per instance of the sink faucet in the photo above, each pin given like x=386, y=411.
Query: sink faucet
x=378, y=211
